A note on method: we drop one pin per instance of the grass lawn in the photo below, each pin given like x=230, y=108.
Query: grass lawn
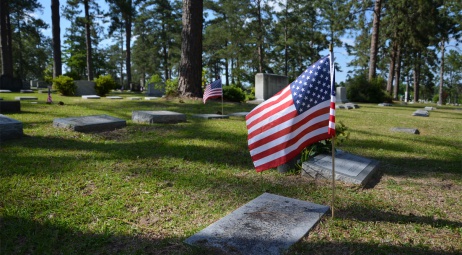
x=145, y=188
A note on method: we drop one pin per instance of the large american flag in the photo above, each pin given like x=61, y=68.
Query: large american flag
x=213, y=90
x=299, y=115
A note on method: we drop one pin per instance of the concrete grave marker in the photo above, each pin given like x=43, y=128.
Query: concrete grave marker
x=25, y=98
x=340, y=95
x=414, y=131
x=267, y=225
x=5, y=91
x=354, y=106
x=421, y=113
x=95, y=123
x=10, y=106
x=158, y=117
x=150, y=98
x=135, y=98
x=84, y=88
x=385, y=104
x=429, y=108
x=10, y=128
x=349, y=168
x=267, y=85
x=114, y=97
x=211, y=116
x=26, y=91
x=239, y=114
x=91, y=97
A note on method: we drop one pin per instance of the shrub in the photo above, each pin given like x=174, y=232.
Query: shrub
x=233, y=93
x=171, y=87
x=64, y=85
x=250, y=94
x=359, y=89
x=104, y=84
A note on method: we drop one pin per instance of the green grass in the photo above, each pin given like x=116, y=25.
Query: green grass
x=144, y=189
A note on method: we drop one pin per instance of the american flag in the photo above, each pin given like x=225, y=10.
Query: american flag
x=297, y=116
x=213, y=90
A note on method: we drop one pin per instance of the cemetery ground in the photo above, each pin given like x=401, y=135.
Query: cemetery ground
x=145, y=188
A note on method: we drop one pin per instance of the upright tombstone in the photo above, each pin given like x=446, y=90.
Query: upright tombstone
x=340, y=97
x=154, y=91
x=267, y=85
x=10, y=106
x=10, y=128
x=85, y=88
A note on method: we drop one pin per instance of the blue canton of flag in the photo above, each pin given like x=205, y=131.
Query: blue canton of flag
x=313, y=86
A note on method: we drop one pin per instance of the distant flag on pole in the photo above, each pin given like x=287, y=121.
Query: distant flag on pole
x=49, y=101
x=213, y=90
x=297, y=116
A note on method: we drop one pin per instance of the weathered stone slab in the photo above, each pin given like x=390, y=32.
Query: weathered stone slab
x=239, y=114
x=135, y=98
x=25, y=98
x=10, y=106
x=429, y=108
x=26, y=91
x=95, y=123
x=210, y=116
x=352, y=105
x=158, y=117
x=349, y=168
x=267, y=85
x=385, y=104
x=114, y=97
x=155, y=91
x=151, y=98
x=340, y=106
x=91, y=97
x=267, y=225
x=421, y=113
x=5, y=91
x=10, y=128
x=414, y=131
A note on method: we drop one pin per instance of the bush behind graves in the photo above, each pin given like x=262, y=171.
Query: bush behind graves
x=64, y=85
x=171, y=87
x=233, y=93
x=359, y=89
x=104, y=84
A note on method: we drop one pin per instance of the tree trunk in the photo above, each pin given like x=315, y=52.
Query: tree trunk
x=440, y=92
x=260, y=38
x=397, y=73
x=375, y=39
x=6, y=41
x=56, y=42
x=190, y=80
x=128, y=35
x=417, y=78
x=392, y=68
x=88, y=40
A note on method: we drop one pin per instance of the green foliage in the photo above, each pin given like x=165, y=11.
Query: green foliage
x=157, y=81
x=64, y=85
x=233, y=93
x=104, y=84
x=359, y=89
x=171, y=87
x=250, y=94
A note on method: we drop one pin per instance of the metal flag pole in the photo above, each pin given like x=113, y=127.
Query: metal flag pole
x=332, y=73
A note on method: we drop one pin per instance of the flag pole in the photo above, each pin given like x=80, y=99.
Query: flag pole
x=332, y=71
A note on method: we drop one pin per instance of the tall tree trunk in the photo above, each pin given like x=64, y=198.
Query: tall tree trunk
x=375, y=39
x=6, y=41
x=88, y=40
x=397, y=72
x=128, y=36
x=190, y=80
x=260, y=38
x=392, y=68
x=56, y=42
x=440, y=92
x=417, y=78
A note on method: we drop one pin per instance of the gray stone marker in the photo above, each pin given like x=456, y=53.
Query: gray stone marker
x=211, y=116
x=91, y=97
x=414, y=131
x=135, y=98
x=340, y=96
x=349, y=168
x=267, y=85
x=5, y=91
x=114, y=97
x=353, y=105
x=239, y=114
x=151, y=98
x=152, y=90
x=26, y=91
x=95, y=123
x=158, y=117
x=10, y=106
x=429, y=108
x=10, y=128
x=385, y=104
x=84, y=88
x=267, y=225
x=421, y=113
x=25, y=98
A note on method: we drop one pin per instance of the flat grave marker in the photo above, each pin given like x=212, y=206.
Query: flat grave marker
x=414, y=131
x=5, y=91
x=385, y=104
x=151, y=98
x=158, y=117
x=26, y=91
x=10, y=128
x=94, y=123
x=239, y=114
x=421, y=113
x=349, y=168
x=267, y=225
x=429, y=108
x=135, y=98
x=91, y=97
x=114, y=97
x=211, y=116
x=25, y=98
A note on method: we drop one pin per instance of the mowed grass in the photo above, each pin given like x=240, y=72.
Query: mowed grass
x=145, y=188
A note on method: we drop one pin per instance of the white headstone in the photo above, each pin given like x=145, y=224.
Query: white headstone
x=267, y=85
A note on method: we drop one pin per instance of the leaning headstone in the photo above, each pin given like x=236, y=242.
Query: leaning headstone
x=25, y=98
x=91, y=97
x=421, y=113
x=210, y=116
x=267, y=85
x=10, y=106
x=267, y=225
x=84, y=88
x=414, y=131
x=340, y=96
x=10, y=128
x=158, y=117
x=95, y=123
x=349, y=168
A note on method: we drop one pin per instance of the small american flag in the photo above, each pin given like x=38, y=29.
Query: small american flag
x=49, y=96
x=299, y=115
x=213, y=90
